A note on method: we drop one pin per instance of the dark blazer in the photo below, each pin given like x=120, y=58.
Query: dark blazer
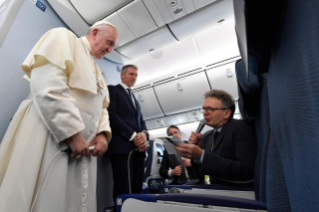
x=124, y=120
x=233, y=155
x=169, y=161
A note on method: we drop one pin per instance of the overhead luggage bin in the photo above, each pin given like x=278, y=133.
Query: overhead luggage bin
x=95, y=10
x=181, y=118
x=156, y=40
x=203, y=20
x=137, y=18
x=70, y=16
x=202, y=3
x=125, y=34
x=149, y=105
x=182, y=94
x=195, y=115
x=224, y=78
x=150, y=125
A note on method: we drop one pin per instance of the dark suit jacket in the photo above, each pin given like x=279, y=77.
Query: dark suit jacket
x=169, y=161
x=233, y=155
x=124, y=120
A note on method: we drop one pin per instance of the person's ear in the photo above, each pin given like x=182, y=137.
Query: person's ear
x=94, y=33
x=227, y=113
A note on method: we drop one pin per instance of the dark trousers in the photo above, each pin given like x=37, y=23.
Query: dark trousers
x=120, y=173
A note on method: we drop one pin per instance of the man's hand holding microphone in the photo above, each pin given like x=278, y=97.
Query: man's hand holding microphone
x=193, y=149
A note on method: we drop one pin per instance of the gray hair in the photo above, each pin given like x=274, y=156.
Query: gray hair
x=124, y=68
x=227, y=100
x=100, y=27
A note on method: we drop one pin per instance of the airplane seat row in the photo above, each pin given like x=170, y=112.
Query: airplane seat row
x=153, y=181
x=254, y=107
x=186, y=203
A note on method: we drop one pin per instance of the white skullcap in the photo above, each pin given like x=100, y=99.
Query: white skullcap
x=102, y=22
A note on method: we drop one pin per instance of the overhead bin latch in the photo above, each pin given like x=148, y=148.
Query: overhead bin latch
x=179, y=87
x=229, y=73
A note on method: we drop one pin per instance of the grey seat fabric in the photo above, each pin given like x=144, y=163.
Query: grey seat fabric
x=286, y=115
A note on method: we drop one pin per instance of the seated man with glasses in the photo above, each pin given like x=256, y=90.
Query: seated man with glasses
x=227, y=152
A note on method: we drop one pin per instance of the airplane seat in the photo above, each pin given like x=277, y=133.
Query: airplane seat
x=185, y=203
x=214, y=189
x=283, y=42
x=151, y=176
x=254, y=107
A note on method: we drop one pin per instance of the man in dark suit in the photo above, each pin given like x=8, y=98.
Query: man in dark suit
x=226, y=153
x=180, y=169
x=128, y=133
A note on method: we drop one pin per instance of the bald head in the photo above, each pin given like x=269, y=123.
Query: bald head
x=103, y=38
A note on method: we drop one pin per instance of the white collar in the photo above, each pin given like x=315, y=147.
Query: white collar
x=87, y=44
x=124, y=86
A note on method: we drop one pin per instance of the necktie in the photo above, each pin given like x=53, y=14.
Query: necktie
x=183, y=176
x=207, y=178
x=136, y=108
x=214, y=139
x=130, y=95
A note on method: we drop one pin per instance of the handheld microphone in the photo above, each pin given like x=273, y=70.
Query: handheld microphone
x=69, y=150
x=201, y=125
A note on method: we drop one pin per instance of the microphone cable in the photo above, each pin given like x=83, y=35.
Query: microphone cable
x=128, y=169
x=128, y=166
x=36, y=196
x=67, y=150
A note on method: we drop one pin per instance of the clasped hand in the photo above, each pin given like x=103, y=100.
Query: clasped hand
x=140, y=141
x=80, y=146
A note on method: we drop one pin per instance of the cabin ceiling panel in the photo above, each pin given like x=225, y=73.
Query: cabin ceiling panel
x=195, y=115
x=162, y=9
x=151, y=125
x=182, y=94
x=169, y=60
x=95, y=10
x=152, y=8
x=156, y=40
x=149, y=105
x=181, y=119
x=137, y=18
x=125, y=34
x=70, y=16
x=203, y=20
x=116, y=57
x=201, y=3
x=217, y=44
x=224, y=78
x=189, y=6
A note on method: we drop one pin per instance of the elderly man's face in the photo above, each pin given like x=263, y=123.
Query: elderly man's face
x=214, y=113
x=174, y=132
x=104, y=41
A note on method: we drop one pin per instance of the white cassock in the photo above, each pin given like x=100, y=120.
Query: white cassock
x=68, y=95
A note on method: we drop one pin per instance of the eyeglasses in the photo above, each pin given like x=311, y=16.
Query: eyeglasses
x=211, y=109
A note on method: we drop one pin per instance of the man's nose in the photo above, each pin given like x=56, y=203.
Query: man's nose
x=109, y=49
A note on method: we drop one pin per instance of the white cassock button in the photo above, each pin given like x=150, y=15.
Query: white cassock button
x=83, y=205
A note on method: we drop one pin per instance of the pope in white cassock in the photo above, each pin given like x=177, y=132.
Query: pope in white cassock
x=66, y=107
